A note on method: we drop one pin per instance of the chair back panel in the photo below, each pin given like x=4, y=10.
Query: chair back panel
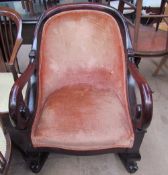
x=10, y=29
x=81, y=47
x=7, y=36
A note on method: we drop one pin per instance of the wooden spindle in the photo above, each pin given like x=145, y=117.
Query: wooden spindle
x=7, y=37
x=10, y=33
x=4, y=50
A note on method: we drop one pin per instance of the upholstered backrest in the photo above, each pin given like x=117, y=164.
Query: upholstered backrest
x=81, y=47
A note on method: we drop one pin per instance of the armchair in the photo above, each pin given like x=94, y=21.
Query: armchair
x=147, y=40
x=10, y=39
x=81, y=88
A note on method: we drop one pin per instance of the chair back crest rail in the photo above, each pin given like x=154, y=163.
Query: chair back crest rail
x=86, y=6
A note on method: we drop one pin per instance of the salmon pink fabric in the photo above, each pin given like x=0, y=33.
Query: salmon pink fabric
x=82, y=100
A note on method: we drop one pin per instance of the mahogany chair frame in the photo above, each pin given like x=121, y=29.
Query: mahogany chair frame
x=22, y=112
x=8, y=60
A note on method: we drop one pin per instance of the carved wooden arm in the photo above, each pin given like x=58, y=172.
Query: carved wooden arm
x=18, y=110
x=146, y=109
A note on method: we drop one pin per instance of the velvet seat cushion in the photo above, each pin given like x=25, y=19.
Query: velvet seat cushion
x=82, y=92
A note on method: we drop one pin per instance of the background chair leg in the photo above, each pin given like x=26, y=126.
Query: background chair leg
x=162, y=62
x=137, y=61
x=35, y=160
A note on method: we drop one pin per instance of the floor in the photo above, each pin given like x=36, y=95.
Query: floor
x=153, y=150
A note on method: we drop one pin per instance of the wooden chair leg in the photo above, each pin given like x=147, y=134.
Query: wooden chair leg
x=129, y=161
x=130, y=158
x=35, y=160
x=162, y=62
x=162, y=9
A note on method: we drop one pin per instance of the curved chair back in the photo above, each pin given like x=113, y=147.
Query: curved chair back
x=79, y=88
x=10, y=38
x=88, y=47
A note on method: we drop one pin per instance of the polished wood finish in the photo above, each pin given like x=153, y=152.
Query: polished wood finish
x=11, y=39
x=20, y=116
x=146, y=96
x=160, y=65
x=22, y=112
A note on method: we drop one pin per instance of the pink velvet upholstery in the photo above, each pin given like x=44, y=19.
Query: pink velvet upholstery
x=82, y=100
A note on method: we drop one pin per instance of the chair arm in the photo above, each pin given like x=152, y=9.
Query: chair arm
x=142, y=121
x=18, y=110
